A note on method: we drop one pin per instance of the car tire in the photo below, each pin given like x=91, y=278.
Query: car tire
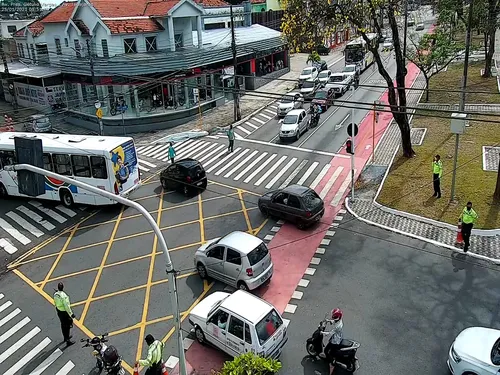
x=242, y=286
x=202, y=271
x=185, y=190
x=66, y=198
x=263, y=210
x=297, y=137
x=301, y=225
x=3, y=191
x=200, y=336
x=164, y=184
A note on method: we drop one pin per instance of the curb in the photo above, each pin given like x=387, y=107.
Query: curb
x=436, y=243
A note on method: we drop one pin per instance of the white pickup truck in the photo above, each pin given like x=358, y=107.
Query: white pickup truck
x=354, y=72
x=339, y=83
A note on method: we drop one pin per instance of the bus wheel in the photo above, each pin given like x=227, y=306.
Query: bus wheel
x=66, y=198
x=3, y=191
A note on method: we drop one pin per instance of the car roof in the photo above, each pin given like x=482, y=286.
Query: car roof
x=291, y=93
x=296, y=189
x=338, y=74
x=248, y=306
x=188, y=162
x=242, y=241
x=326, y=71
x=309, y=67
x=295, y=112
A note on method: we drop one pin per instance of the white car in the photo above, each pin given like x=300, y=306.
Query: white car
x=339, y=83
x=475, y=351
x=239, y=323
x=420, y=27
x=354, y=71
x=294, y=124
x=309, y=73
x=324, y=76
x=292, y=100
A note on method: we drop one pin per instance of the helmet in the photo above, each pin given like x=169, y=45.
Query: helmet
x=337, y=314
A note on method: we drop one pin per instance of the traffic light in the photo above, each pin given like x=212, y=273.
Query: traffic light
x=348, y=147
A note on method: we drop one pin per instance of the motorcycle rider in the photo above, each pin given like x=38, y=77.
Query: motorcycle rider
x=336, y=334
x=316, y=113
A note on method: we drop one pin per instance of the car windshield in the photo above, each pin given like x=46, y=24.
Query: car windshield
x=349, y=69
x=306, y=72
x=267, y=326
x=323, y=75
x=42, y=120
x=290, y=119
x=311, y=200
x=256, y=255
x=336, y=78
x=308, y=84
x=216, y=306
x=287, y=99
x=321, y=95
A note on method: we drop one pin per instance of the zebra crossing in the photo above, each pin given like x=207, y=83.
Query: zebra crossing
x=21, y=342
x=248, y=127
x=30, y=221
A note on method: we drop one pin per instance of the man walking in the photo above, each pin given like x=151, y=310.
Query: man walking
x=437, y=172
x=468, y=219
x=154, y=360
x=230, y=137
x=171, y=152
x=64, y=313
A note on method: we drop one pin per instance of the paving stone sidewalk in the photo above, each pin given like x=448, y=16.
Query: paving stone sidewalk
x=369, y=182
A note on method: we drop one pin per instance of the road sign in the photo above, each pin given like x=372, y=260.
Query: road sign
x=98, y=113
x=349, y=129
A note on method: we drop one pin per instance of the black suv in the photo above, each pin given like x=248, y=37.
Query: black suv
x=186, y=175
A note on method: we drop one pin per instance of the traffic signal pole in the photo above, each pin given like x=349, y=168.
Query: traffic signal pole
x=353, y=148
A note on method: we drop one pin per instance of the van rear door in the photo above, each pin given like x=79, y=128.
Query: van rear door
x=271, y=333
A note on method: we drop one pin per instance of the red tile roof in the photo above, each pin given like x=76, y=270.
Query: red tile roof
x=82, y=27
x=133, y=26
x=119, y=8
x=60, y=14
x=212, y=3
x=36, y=28
x=258, y=1
x=159, y=8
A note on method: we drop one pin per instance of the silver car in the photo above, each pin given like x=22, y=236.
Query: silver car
x=237, y=259
x=294, y=124
x=38, y=124
x=292, y=100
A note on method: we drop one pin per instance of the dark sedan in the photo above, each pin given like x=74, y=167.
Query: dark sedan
x=323, y=98
x=295, y=203
x=186, y=175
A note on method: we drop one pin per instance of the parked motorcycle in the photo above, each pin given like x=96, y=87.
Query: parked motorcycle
x=345, y=357
x=107, y=357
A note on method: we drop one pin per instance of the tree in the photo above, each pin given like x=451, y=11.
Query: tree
x=496, y=194
x=433, y=53
x=490, y=29
x=314, y=57
x=250, y=363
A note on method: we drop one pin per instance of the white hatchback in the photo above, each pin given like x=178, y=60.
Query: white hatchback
x=239, y=323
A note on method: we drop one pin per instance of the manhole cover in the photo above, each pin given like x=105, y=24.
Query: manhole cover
x=491, y=158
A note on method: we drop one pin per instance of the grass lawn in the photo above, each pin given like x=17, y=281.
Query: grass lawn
x=451, y=80
x=408, y=186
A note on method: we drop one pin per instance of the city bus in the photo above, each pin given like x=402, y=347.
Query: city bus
x=357, y=52
x=108, y=163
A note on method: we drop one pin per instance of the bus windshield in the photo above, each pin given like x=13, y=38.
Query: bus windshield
x=354, y=54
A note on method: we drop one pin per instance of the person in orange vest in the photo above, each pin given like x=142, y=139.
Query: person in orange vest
x=9, y=123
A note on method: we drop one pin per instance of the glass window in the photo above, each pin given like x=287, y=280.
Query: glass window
x=47, y=162
x=290, y=119
x=248, y=335
x=259, y=253
x=216, y=252
x=267, y=326
x=66, y=42
x=293, y=201
x=311, y=200
x=11, y=29
x=151, y=43
x=233, y=257
x=129, y=45
x=236, y=327
x=22, y=50
x=179, y=41
x=62, y=164
x=81, y=165
x=105, y=49
x=78, y=48
x=308, y=84
x=58, y=46
x=7, y=158
x=99, y=170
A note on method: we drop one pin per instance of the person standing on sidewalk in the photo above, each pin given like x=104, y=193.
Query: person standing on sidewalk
x=171, y=152
x=64, y=313
x=437, y=172
x=230, y=137
x=468, y=219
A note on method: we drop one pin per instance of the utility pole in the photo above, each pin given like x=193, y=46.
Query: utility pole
x=91, y=62
x=461, y=107
x=12, y=90
x=353, y=147
x=236, y=92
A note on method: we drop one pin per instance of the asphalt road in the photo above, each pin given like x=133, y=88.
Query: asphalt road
x=403, y=300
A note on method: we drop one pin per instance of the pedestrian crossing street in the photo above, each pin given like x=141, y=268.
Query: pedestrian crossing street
x=30, y=221
x=244, y=129
x=23, y=350
x=256, y=169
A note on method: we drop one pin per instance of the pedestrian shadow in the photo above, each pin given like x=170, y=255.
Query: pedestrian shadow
x=459, y=261
x=38, y=360
x=315, y=366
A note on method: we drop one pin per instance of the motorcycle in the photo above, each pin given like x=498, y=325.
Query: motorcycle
x=344, y=357
x=107, y=357
x=314, y=120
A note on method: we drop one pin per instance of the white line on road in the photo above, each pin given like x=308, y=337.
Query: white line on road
x=14, y=329
x=265, y=116
x=159, y=151
x=66, y=211
x=223, y=160
x=251, y=125
x=10, y=316
x=28, y=357
x=143, y=169
x=272, y=112
x=252, y=164
x=261, y=167
x=66, y=368
x=249, y=157
x=37, y=218
x=195, y=150
x=238, y=157
x=258, y=120
x=7, y=246
x=14, y=232
x=243, y=129
x=271, y=170
x=153, y=150
x=201, y=152
x=293, y=174
x=330, y=182
x=47, y=211
x=7, y=353
x=48, y=361
x=280, y=173
x=320, y=176
x=339, y=125
x=220, y=147
x=308, y=173
x=146, y=163
x=25, y=224
x=338, y=197
x=5, y=306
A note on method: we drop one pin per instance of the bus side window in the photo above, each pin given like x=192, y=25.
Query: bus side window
x=47, y=163
x=7, y=158
x=99, y=170
x=62, y=164
x=81, y=165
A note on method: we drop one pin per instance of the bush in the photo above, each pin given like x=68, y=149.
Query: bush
x=250, y=364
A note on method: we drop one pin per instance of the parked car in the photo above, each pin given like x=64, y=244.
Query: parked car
x=186, y=175
x=309, y=73
x=295, y=203
x=38, y=124
x=420, y=27
x=476, y=350
x=292, y=100
x=321, y=65
x=411, y=22
x=323, y=98
x=340, y=83
x=309, y=88
x=237, y=259
x=354, y=71
x=322, y=50
x=239, y=323
x=324, y=76
x=295, y=123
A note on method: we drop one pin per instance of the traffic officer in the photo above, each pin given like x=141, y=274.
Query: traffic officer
x=468, y=219
x=64, y=313
x=154, y=360
x=230, y=137
x=437, y=172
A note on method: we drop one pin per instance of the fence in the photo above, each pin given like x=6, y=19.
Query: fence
x=271, y=19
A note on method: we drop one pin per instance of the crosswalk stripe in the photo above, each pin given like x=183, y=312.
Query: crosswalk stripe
x=272, y=112
x=237, y=136
x=47, y=211
x=185, y=144
x=6, y=319
x=14, y=329
x=273, y=106
x=14, y=232
x=309, y=171
x=37, y=218
x=330, y=182
x=146, y=149
x=28, y=357
x=249, y=157
x=258, y=120
x=218, y=156
x=48, y=361
x=293, y=174
x=7, y=353
x=280, y=173
x=243, y=129
x=223, y=160
x=252, y=164
x=265, y=116
x=338, y=197
x=153, y=150
x=238, y=157
x=143, y=169
x=201, y=146
x=25, y=224
x=146, y=163
x=220, y=147
x=251, y=125
x=187, y=149
x=5, y=306
x=163, y=154
x=66, y=368
x=270, y=170
x=140, y=148
x=7, y=246
x=66, y=211
x=159, y=151
x=320, y=176
x=261, y=167
x=205, y=150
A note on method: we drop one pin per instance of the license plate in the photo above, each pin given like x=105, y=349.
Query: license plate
x=199, y=183
x=265, y=277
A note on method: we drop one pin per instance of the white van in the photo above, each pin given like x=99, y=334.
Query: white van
x=239, y=323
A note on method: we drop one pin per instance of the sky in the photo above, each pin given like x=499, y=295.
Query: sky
x=50, y=3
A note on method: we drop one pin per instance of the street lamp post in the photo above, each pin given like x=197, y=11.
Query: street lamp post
x=127, y=202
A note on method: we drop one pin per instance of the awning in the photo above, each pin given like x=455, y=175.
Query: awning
x=30, y=71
